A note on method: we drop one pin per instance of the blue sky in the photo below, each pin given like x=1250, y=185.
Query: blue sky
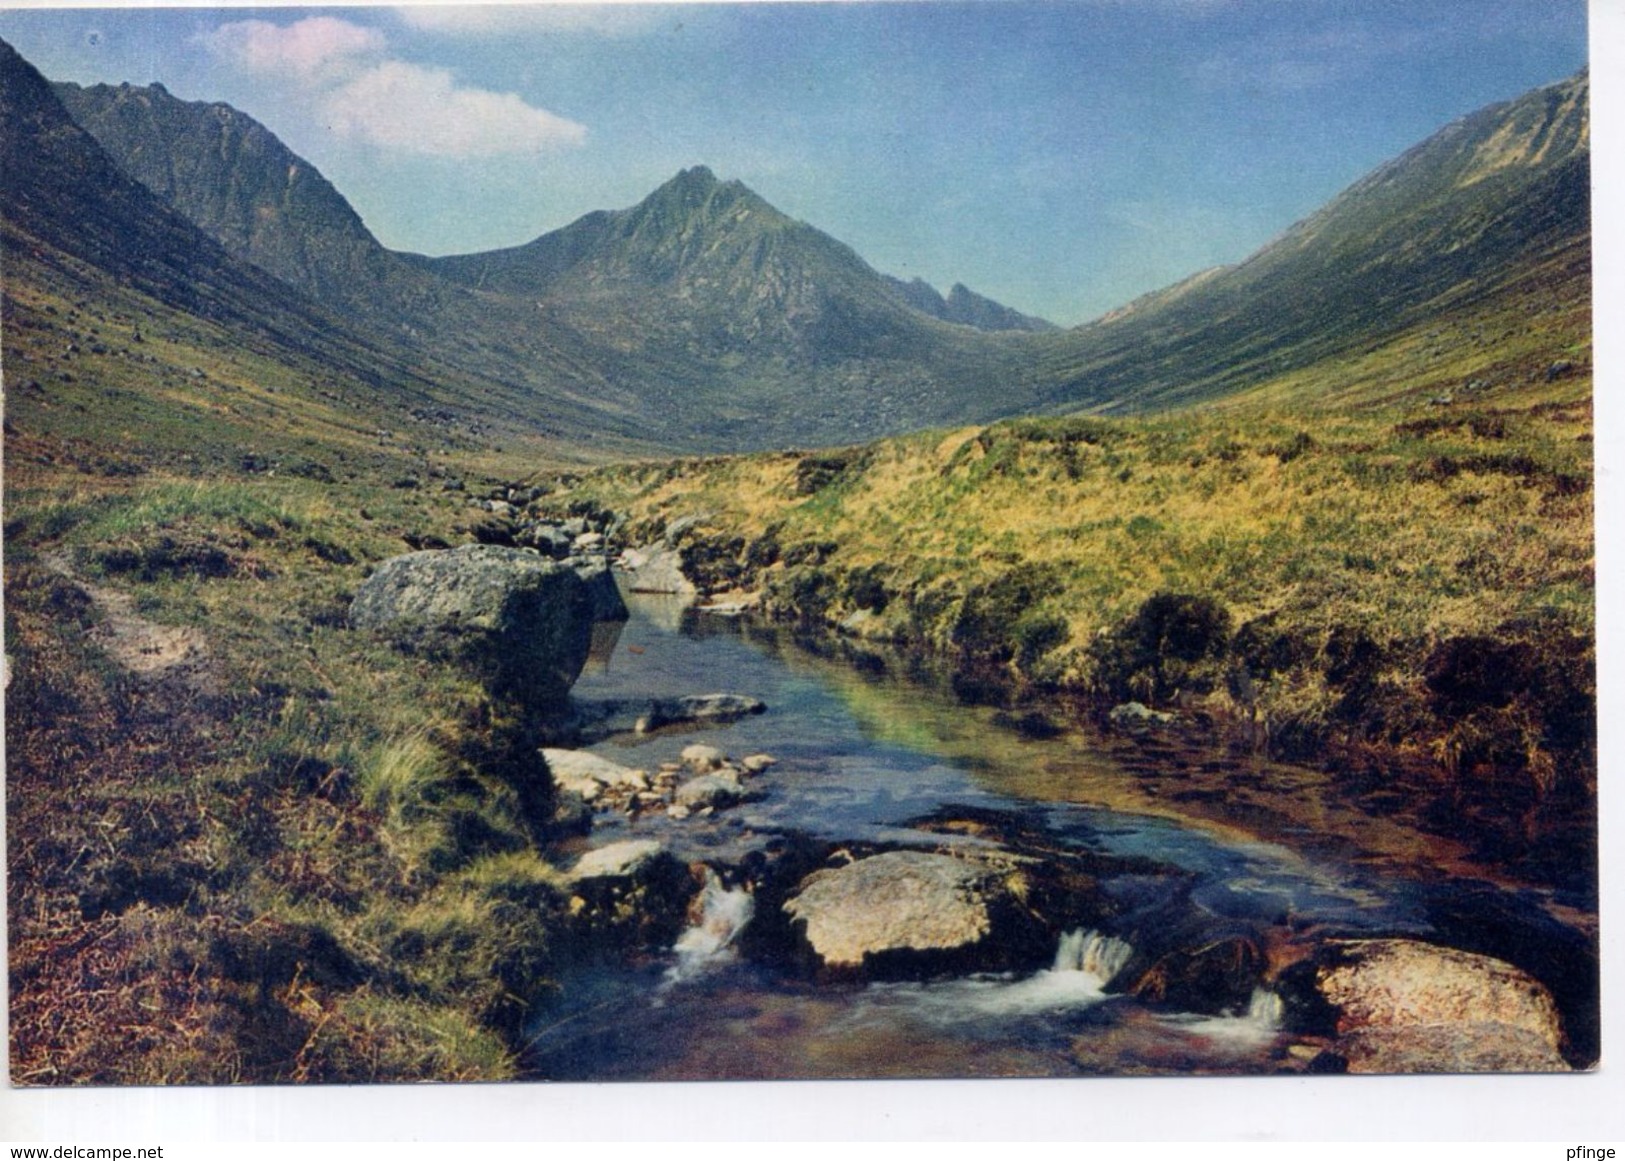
x=1062, y=157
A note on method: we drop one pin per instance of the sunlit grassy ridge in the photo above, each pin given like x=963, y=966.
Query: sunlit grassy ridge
x=1406, y=573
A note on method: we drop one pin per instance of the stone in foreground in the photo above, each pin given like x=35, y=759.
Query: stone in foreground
x=1406, y=1006
x=911, y=913
x=629, y=894
x=620, y=860
x=521, y=624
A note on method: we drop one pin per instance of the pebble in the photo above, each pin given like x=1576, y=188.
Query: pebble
x=702, y=759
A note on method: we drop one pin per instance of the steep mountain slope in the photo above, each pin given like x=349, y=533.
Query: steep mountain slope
x=68, y=212
x=72, y=217
x=694, y=319
x=233, y=179
x=1453, y=222
x=63, y=192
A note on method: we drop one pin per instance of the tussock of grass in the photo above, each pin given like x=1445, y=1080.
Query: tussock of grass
x=393, y=778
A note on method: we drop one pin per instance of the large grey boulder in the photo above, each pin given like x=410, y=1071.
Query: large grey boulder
x=607, y=602
x=908, y=913
x=521, y=624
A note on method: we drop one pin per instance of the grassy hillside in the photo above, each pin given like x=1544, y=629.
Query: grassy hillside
x=1397, y=582
x=1450, y=224
x=246, y=843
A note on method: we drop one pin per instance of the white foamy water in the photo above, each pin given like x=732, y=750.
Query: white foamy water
x=1260, y=1023
x=709, y=942
x=1093, y=954
x=1085, y=962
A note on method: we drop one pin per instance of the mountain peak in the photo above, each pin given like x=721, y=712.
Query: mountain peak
x=696, y=176
x=692, y=186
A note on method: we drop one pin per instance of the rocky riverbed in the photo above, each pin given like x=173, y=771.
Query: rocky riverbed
x=1117, y=934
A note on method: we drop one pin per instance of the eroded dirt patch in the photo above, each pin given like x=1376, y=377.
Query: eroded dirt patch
x=143, y=647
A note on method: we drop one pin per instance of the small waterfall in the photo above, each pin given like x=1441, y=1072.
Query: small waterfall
x=1085, y=962
x=1265, y=1010
x=723, y=915
x=1237, y=1032
x=1090, y=952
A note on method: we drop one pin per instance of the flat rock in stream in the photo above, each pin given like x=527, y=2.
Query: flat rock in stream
x=588, y=775
x=624, y=861
x=912, y=913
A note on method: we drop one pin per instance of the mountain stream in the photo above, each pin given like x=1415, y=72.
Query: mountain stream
x=869, y=758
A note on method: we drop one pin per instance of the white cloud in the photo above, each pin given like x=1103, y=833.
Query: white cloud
x=362, y=93
x=307, y=48
x=423, y=110
x=598, y=19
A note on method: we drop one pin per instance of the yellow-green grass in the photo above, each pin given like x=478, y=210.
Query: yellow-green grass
x=1362, y=560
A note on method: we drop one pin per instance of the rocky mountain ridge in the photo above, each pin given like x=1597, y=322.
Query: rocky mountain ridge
x=704, y=319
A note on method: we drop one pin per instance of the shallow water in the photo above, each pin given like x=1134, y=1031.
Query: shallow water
x=862, y=757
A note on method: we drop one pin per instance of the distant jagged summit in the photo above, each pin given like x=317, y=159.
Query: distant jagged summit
x=718, y=244
x=967, y=308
